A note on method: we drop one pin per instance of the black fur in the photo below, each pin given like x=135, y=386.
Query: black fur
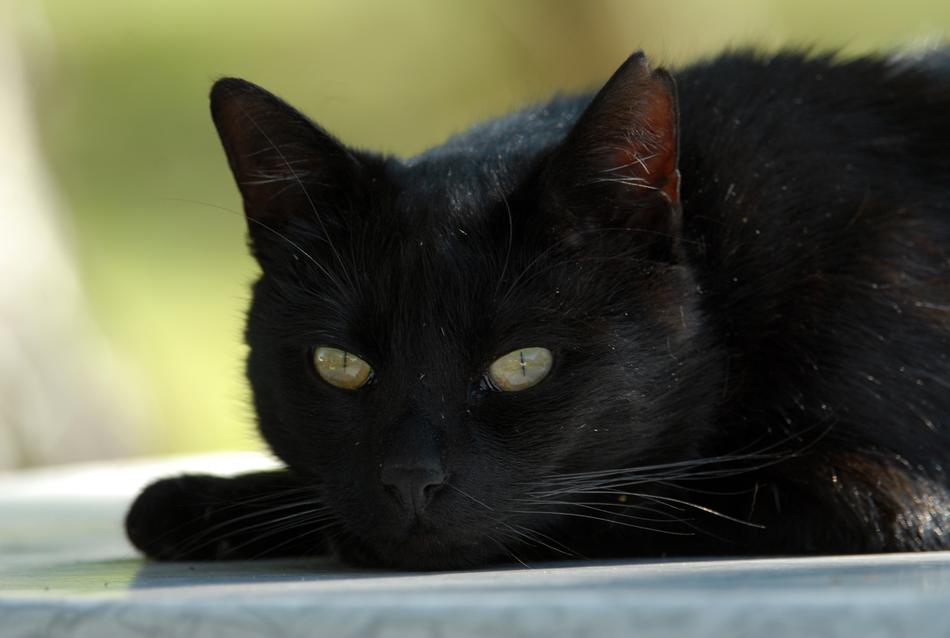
x=749, y=314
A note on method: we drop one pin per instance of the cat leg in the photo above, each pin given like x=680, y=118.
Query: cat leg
x=850, y=502
x=202, y=517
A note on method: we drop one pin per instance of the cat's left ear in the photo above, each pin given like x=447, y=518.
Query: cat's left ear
x=618, y=167
x=284, y=164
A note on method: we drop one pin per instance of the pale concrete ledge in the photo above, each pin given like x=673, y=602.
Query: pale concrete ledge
x=66, y=570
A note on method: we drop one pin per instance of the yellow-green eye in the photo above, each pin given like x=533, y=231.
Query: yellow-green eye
x=340, y=368
x=520, y=369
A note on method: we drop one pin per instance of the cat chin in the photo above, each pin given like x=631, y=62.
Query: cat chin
x=419, y=552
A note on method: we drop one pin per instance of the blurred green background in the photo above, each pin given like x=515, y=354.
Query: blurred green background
x=120, y=93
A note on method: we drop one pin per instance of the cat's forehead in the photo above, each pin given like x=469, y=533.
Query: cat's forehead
x=445, y=211
x=476, y=168
x=447, y=233
x=458, y=185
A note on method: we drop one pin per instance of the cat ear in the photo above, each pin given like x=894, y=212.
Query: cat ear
x=618, y=165
x=284, y=164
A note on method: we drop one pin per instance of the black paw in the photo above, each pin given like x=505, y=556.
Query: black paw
x=173, y=519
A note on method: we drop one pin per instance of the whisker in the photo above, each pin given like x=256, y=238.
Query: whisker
x=669, y=499
x=552, y=540
x=227, y=528
x=604, y=520
x=469, y=496
x=294, y=539
x=508, y=551
x=660, y=466
x=556, y=484
x=596, y=506
x=529, y=535
x=217, y=508
x=298, y=521
x=250, y=515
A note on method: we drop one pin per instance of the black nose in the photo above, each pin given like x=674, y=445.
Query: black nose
x=414, y=484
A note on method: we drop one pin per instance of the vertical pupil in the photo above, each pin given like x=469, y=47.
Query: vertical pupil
x=344, y=361
x=524, y=370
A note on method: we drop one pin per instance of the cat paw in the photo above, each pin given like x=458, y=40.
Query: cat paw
x=172, y=519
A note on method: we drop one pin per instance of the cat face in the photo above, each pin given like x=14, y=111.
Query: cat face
x=400, y=300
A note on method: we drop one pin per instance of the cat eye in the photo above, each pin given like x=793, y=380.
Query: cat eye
x=341, y=368
x=520, y=369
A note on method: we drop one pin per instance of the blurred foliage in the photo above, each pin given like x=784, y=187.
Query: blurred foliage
x=120, y=91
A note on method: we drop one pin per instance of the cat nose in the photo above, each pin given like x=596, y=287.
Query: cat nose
x=414, y=484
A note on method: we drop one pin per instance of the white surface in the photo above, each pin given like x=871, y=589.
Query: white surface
x=66, y=570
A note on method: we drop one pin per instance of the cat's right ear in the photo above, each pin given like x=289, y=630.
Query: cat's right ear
x=284, y=164
x=618, y=166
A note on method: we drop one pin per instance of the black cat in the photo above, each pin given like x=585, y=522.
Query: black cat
x=702, y=317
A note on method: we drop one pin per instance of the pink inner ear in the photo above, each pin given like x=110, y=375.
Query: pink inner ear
x=647, y=121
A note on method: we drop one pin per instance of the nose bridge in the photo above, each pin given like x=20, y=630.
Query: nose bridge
x=423, y=340
x=412, y=466
x=413, y=424
x=429, y=380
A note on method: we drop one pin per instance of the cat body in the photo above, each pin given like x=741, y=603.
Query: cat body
x=741, y=280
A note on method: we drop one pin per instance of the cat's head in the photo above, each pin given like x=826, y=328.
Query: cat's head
x=438, y=341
